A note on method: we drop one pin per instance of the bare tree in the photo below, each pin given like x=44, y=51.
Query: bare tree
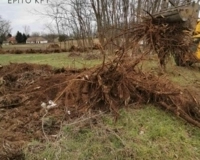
x=35, y=34
x=5, y=29
x=82, y=18
x=26, y=29
x=98, y=9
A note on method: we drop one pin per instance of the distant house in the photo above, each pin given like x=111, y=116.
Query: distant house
x=41, y=40
x=36, y=40
x=5, y=43
x=31, y=40
x=11, y=40
x=56, y=40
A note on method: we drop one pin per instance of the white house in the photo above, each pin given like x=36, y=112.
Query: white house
x=36, y=40
x=41, y=40
x=5, y=43
x=31, y=40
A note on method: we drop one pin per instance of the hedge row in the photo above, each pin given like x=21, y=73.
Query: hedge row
x=18, y=51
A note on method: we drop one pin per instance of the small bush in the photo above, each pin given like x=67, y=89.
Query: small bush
x=17, y=51
x=91, y=56
x=74, y=54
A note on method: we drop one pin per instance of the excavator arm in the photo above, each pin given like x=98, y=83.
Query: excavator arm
x=187, y=15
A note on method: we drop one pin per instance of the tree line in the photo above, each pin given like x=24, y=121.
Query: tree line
x=21, y=37
x=5, y=32
x=4, y=29
x=87, y=19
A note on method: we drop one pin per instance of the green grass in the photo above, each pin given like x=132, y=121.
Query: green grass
x=146, y=133
x=25, y=46
x=57, y=60
x=184, y=76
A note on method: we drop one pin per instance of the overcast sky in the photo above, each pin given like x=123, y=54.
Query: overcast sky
x=20, y=13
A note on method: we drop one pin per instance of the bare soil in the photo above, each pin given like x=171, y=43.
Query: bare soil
x=23, y=87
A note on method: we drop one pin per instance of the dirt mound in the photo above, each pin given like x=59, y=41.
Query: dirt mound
x=31, y=51
x=74, y=48
x=96, y=46
x=23, y=87
x=92, y=55
x=53, y=46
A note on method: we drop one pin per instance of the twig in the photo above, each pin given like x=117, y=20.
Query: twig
x=46, y=112
x=76, y=122
x=149, y=14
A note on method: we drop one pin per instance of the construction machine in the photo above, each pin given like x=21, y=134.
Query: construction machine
x=196, y=39
x=187, y=14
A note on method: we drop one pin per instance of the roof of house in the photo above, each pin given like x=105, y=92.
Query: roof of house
x=11, y=39
x=40, y=39
x=31, y=39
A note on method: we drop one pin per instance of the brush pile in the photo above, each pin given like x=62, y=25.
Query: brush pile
x=118, y=84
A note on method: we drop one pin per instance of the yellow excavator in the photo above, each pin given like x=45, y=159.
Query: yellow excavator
x=187, y=13
x=196, y=38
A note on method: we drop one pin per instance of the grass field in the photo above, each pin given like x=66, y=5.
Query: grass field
x=67, y=45
x=25, y=46
x=57, y=60
x=147, y=133
x=141, y=132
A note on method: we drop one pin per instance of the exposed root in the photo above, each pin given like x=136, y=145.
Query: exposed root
x=115, y=86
